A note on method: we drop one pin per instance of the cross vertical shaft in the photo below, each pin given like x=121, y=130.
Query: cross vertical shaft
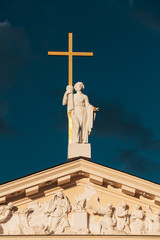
x=70, y=55
x=70, y=81
x=70, y=69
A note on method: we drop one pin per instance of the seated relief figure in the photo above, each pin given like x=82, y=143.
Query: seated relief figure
x=58, y=209
x=107, y=223
x=82, y=113
x=122, y=217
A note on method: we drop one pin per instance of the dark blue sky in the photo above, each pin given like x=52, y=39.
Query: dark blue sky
x=122, y=78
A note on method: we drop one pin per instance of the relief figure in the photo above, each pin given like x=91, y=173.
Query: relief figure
x=122, y=217
x=108, y=221
x=57, y=212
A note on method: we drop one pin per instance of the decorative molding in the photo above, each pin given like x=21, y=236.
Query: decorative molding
x=113, y=184
x=97, y=172
x=80, y=237
x=146, y=195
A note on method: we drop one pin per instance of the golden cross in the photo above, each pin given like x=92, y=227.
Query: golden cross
x=70, y=54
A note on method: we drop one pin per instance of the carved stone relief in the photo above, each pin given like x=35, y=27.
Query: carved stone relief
x=57, y=212
x=52, y=218
x=137, y=221
x=80, y=215
x=153, y=221
x=108, y=221
x=122, y=218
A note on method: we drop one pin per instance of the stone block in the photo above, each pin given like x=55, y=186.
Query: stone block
x=2, y=199
x=76, y=150
x=80, y=220
x=32, y=190
x=63, y=180
x=96, y=179
x=157, y=200
x=128, y=190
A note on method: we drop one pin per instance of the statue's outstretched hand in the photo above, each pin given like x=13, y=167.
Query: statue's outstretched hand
x=69, y=89
x=95, y=109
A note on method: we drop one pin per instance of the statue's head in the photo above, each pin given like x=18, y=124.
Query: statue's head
x=123, y=204
x=158, y=212
x=109, y=205
x=60, y=195
x=79, y=86
x=137, y=207
x=41, y=226
x=9, y=206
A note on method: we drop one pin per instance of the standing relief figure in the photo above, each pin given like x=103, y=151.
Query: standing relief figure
x=82, y=113
x=122, y=218
x=137, y=221
x=108, y=221
x=58, y=209
x=153, y=220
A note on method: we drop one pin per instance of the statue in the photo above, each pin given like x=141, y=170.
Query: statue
x=137, y=223
x=108, y=221
x=122, y=218
x=82, y=113
x=58, y=209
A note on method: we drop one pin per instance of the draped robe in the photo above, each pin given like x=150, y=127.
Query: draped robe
x=82, y=116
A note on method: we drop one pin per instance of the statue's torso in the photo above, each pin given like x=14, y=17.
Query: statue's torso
x=79, y=100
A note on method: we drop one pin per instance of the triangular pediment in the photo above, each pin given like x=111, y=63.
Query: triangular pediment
x=65, y=173
x=87, y=188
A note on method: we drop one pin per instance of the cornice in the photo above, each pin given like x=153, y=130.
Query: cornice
x=98, y=174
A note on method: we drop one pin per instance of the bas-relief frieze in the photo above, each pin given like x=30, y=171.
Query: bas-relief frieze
x=53, y=217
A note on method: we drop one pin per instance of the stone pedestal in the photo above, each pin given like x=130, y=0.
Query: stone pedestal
x=80, y=222
x=77, y=150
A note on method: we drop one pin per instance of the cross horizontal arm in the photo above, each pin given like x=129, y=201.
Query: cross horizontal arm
x=59, y=53
x=82, y=53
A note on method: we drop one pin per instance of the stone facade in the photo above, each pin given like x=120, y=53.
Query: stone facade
x=80, y=198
